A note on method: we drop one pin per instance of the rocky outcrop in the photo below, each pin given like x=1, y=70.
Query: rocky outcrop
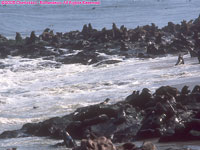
x=168, y=114
x=86, y=46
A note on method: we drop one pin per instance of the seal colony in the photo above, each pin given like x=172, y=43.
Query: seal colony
x=168, y=114
x=86, y=46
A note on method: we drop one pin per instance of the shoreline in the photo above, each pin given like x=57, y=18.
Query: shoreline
x=131, y=119
x=132, y=115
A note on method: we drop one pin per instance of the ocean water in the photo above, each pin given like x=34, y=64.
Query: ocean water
x=62, y=18
x=56, y=91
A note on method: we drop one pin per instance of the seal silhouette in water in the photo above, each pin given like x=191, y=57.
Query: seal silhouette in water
x=180, y=60
x=68, y=140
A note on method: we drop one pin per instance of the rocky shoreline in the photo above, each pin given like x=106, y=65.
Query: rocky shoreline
x=167, y=114
x=87, y=46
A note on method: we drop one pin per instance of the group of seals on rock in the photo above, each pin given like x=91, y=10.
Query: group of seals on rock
x=168, y=114
x=85, y=46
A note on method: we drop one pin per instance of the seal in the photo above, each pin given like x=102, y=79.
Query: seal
x=69, y=142
x=180, y=60
x=198, y=55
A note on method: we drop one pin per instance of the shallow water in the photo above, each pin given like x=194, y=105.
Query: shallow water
x=56, y=91
x=53, y=91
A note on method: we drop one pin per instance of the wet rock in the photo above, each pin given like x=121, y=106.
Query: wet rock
x=4, y=51
x=194, y=135
x=83, y=57
x=95, y=110
x=190, y=131
x=171, y=134
x=194, y=124
x=167, y=114
x=9, y=134
x=158, y=39
x=148, y=134
x=52, y=127
x=152, y=49
x=124, y=46
x=140, y=100
x=96, y=120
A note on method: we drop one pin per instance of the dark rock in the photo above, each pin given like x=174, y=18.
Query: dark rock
x=158, y=39
x=95, y=110
x=140, y=100
x=151, y=49
x=9, y=134
x=194, y=124
x=173, y=38
x=148, y=134
x=124, y=46
x=127, y=146
x=85, y=58
x=167, y=114
x=96, y=120
x=4, y=51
